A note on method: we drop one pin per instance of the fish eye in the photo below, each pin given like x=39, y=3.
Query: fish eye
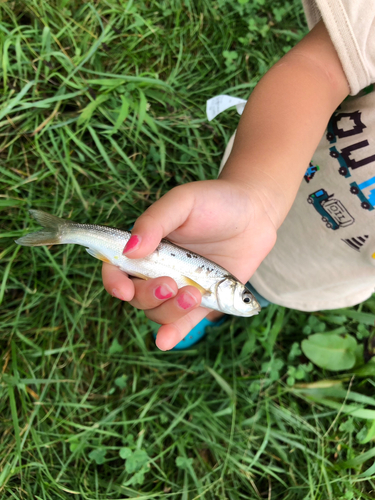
x=246, y=297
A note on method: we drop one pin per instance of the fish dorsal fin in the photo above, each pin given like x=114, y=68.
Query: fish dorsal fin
x=191, y=282
x=97, y=255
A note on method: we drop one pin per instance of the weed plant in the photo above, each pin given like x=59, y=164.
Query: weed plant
x=102, y=111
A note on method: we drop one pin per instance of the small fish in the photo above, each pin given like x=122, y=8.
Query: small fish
x=220, y=290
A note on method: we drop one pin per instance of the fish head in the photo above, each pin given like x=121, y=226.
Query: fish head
x=234, y=298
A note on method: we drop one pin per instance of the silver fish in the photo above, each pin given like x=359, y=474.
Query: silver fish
x=220, y=289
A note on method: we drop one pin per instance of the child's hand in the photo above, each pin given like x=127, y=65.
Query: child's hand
x=233, y=220
x=218, y=219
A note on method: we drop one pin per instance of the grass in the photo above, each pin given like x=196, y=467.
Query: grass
x=102, y=111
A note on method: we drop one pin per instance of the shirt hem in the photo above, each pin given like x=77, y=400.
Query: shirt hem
x=337, y=23
x=309, y=305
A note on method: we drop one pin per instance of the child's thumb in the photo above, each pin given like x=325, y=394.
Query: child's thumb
x=159, y=220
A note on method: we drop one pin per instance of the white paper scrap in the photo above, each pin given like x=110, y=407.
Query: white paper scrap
x=219, y=103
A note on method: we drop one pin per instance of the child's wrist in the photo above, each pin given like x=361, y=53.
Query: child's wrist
x=265, y=194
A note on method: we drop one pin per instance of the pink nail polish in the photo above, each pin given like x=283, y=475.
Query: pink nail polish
x=163, y=292
x=186, y=300
x=132, y=244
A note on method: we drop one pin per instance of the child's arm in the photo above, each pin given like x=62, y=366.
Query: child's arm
x=233, y=220
x=285, y=119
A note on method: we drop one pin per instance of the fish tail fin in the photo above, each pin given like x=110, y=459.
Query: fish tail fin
x=52, y=233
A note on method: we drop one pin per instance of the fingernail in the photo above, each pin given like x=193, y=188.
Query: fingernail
x=132, y=244
x=116, y=293
x=186, y=300
x=163, y=292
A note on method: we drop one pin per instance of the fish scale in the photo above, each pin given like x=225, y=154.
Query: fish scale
x=220, y=289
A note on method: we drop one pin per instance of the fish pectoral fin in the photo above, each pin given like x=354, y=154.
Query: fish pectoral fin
x=191, y=282
x=137, y=275
x=98, y=255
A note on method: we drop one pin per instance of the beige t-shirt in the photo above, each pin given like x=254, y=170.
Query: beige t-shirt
x=324, y=257
x=351, y=26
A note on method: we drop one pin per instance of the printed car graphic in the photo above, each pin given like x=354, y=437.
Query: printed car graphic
x=310, y=172
x=344, y=169
x=346, y=160
x=333, y=212
x=368, y=203
x=330, y=135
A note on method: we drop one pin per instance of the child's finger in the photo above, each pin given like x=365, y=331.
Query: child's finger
x=170, y=335
x=159, y=220
x=171, y=310
x=152, y=293
x=117, y=283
